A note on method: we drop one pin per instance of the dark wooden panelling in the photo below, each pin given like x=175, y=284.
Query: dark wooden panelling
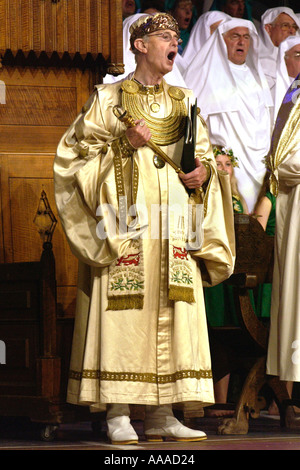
x=74, y=26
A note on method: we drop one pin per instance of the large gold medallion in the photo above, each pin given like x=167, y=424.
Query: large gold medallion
x=166, y=130
x=129, y=86
x=176, y=93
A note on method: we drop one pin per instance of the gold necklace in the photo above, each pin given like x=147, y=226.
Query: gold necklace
x=164, y=131
x=151, y=90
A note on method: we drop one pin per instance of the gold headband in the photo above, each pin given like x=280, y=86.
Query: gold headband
x=151, y=23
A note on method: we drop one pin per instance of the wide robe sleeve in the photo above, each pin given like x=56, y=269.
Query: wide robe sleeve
x=84, y=178
x=217, y=254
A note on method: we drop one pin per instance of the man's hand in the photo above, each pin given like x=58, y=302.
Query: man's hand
x=195, y=178
x=138, y=135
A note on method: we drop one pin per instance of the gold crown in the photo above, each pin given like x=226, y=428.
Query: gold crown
x=151, y=23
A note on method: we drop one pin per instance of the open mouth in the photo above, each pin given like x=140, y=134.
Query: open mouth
x=171, y=56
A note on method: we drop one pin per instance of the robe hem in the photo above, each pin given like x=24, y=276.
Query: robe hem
x=205, y=400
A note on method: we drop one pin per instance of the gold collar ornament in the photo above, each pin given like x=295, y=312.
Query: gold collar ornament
x=151, y=90
x=164, y=131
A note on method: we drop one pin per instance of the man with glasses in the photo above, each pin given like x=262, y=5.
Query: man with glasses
x=288, y=68
x=281, y=28
x=140, y=329
x=276, y=25
x=292, y=60
x=235, y=99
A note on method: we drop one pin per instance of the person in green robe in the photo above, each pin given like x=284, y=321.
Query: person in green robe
x=219, y=300
x=220, y=309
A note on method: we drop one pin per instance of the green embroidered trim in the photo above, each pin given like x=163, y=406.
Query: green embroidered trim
x=140, y=377
x=182, y=278
x=128, y=284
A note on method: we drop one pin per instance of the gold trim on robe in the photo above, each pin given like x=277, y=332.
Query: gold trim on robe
x=165, y=341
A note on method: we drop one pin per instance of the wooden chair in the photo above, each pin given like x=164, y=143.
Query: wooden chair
x=248, y=342
x=33, y=376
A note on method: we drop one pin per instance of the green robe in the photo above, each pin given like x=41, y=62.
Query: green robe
x=219, y=300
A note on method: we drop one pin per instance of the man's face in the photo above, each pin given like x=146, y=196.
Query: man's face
x=128, y=8
x=283, y=27
x=237, y=41
x=183, y=13
x=235, y=8
x=161, y=48
x=292, y=61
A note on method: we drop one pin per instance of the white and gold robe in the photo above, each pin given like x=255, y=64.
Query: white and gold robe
x=159, y=353
x=284, y=342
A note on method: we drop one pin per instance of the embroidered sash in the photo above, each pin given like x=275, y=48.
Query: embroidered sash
x=185, y=233
x=126, y=274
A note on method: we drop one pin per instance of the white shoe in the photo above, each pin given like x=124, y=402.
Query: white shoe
x=161, y=423
x=120, y=431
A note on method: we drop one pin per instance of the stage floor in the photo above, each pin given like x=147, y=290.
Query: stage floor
x=265, y=433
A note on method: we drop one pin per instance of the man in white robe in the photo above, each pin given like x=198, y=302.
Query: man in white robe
x=235, y=99
x=140, y=332
x=288, y=68
x=283, y=358
x=276, y=25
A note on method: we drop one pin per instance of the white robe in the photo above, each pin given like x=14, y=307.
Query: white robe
x=235, y=101
x=156, y=353
x=283, y=81
x=268, y=53
x=247, y=132
x=201, y=32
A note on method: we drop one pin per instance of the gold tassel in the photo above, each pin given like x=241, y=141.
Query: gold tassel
x=126, y=302
x=185, y=294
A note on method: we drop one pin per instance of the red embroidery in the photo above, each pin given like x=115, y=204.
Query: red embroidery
x=128, y=260
x=180, y=253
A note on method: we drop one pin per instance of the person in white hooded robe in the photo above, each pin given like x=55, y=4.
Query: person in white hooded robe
x=288, y=67
x=235, y=100
x=204, y=27
x=276, y=25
